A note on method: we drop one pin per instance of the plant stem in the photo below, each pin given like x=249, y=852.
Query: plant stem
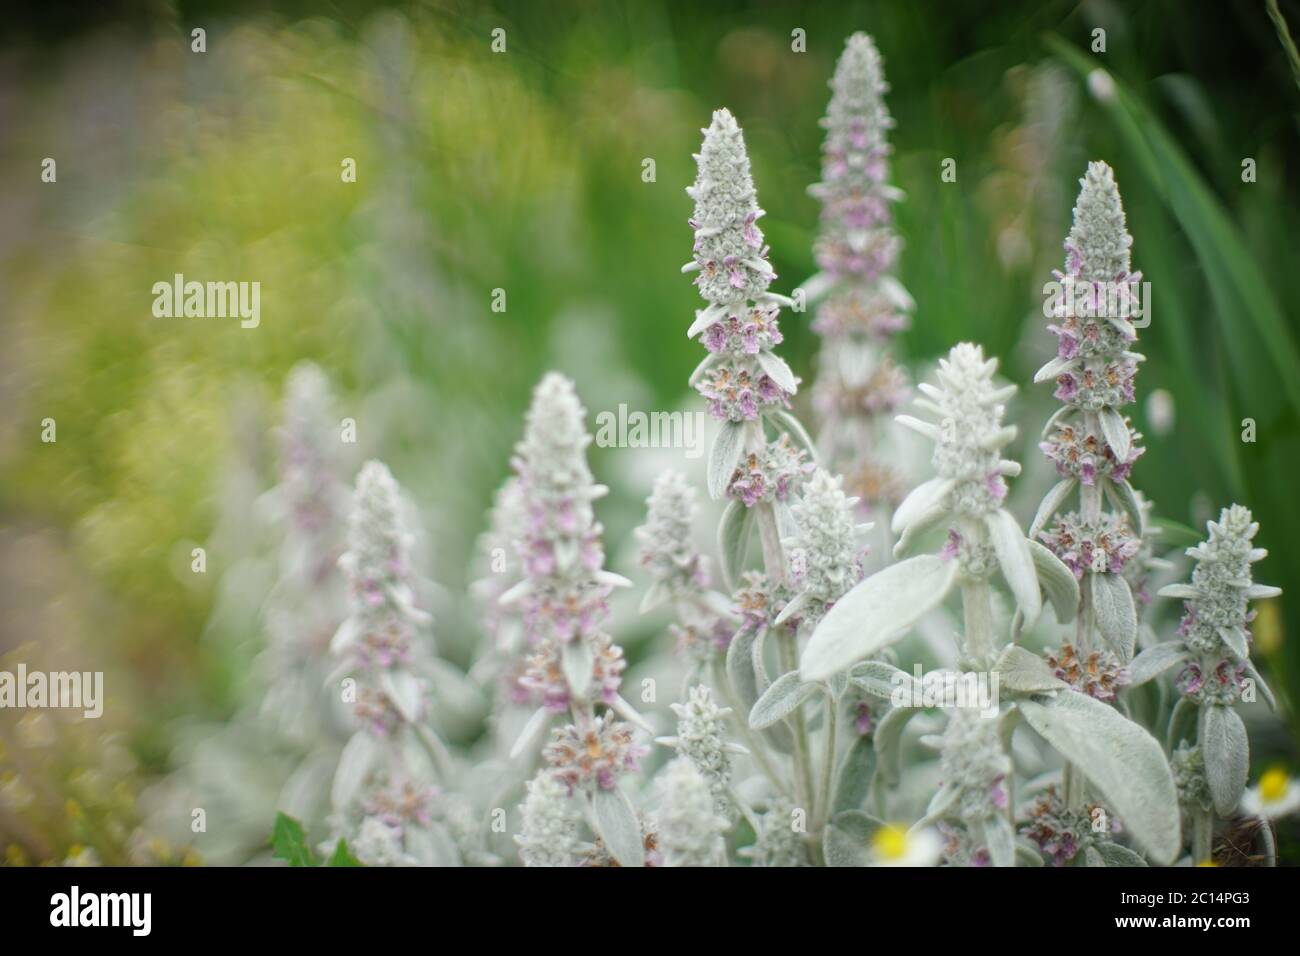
x=828, y=762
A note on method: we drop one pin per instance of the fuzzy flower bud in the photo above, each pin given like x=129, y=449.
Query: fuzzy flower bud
x=701, y=736
x=777, y=843
x=971, y=760
x=667, y=550
x=1218, y=613
x=729, y=251
x=827, y=560
x=688, y=827
x=549, y=835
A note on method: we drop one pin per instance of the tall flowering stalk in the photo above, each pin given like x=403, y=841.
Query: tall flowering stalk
x=385, y=800
x=861, y=305
x=307, y=603
x=748, y=388
x=575, y=666
x=1090, y=441
x=1212, y=654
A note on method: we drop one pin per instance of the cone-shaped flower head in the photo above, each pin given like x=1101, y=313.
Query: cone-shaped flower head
x=729, y=250
x=853, y=192
x=701, y=736
x=1217, y=603
x=972, y=761
x=777, y=842
x=742, y=377
x=309, y=454
x=549, y=836
x=827, y=559
x=1094, y=368
x=564, y=595
x=689, y=829
x=967, y=438
x=381, y=629
x=667, y=549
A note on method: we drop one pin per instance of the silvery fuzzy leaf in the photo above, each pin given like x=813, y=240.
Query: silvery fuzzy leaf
x=1092, y=857
x=655, y=595
x=619, y=827
x=878, y=678
x=841, y=850
x=360, y=756
x=847, y=837
x=1123, y=497
x=896, y=293
x=926, y=521
x=1183, y=591
x=888, y=739
x=452, y=693
x=1027, y=855
x=839, y=683
x=704, y=318
x=1120, y=759
x=780, y=700
x=733, y=540
x=922, y=499
x=1155, y=660
x=530, y=732
x=740, y=668
x=404, y=690
x=1264, y=689
x=1052, y=369
x=516, y=593
x=944, y=799
x=876, y=613
x=1051, y=503
x=345, y=636
x=1024, y=672
x=1116, y=855
x=728, y=446
x=1259, y=592
x=1227, y=756
x=1016, y=561
x=778, y=371
x=787, y=525
x=577, y=663
x=1001, y=840
x=703, y=367
x=1116, y=433
x=794, y=428
x=1116, y=617
x=854, y=781
x=431, y=845
x=1182, y=722
x=1235, y=639
x=794, y=606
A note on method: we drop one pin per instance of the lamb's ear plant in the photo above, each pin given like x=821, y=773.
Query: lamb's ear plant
x=763, y=463
x=861, y=306
x=575, y=667
x=385, y=795
x=1211, y=653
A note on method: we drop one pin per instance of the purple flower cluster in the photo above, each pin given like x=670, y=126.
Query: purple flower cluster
x=1103, y=547
x=769, y=475
x=1079, y=453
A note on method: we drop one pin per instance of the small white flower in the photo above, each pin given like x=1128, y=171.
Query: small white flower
x=894, y=845
x=1276, y=795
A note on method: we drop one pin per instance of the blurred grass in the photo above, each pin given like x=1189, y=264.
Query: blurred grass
x=522, y=171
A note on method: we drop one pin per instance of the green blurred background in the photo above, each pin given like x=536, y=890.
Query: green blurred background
x=523, y=171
